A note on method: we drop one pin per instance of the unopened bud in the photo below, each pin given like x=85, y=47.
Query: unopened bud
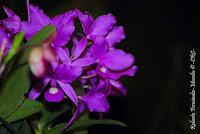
x=49, y=54
x=39, y=56
x=36, y=62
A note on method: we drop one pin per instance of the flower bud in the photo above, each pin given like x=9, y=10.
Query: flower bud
x=49, y=54
x=38, y=58
x=36, y=62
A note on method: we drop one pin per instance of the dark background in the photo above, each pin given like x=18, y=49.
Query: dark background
x=160, y=34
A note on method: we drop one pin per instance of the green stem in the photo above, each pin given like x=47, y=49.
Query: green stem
x=37, y=131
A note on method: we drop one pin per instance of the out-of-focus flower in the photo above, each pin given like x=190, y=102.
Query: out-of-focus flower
x=5, y=42
x=12, y=23
x=38, y=59
x=37, y=62
x=8, y=28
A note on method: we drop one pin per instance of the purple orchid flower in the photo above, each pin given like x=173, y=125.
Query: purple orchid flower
x=103, y=26
x=113, y=62
x=111, y=67
x=57, y=83
x=63, y=74
x=98, y=91
x=37, y=19
x=94, y=55
x=73, y=65
x=12, y=23
x=76, y=58
x=95, y=99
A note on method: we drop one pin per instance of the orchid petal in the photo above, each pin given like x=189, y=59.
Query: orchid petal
x=100, y=86
x=9, y=12
x=79, y=110
x=83, y=62
x=38, y=89
x=99, y=48
x=96, y=102
x=118, y=86
x=65, y=18
x=80, y=47
x=63, y=35
x=75, y=41
x=117, y=60
x=37, y=16
x=128, y=72
x=69, y=91
x=63, y=54
x=67, y=73
x=65, y=27
x=37, y=20
x=12, y=23
x=86, y=20
x=76, y=114
x=115, y=36
x=102, y=25
x=29, y=30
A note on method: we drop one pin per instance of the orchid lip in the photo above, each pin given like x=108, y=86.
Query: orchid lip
x=54, y=94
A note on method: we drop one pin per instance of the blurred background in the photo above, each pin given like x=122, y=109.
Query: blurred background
x=160, y=34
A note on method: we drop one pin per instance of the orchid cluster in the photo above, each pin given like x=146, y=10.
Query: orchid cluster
x=87, y=60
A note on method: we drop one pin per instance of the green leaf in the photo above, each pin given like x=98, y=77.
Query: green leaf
x=83, y=116
x=15, y=47
x=13, y=89
x=17, y=83
x=27, y=108
x=50, y=113
x=83, y=125
x=7, y=126
x=81, y=132
x=20, y=126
